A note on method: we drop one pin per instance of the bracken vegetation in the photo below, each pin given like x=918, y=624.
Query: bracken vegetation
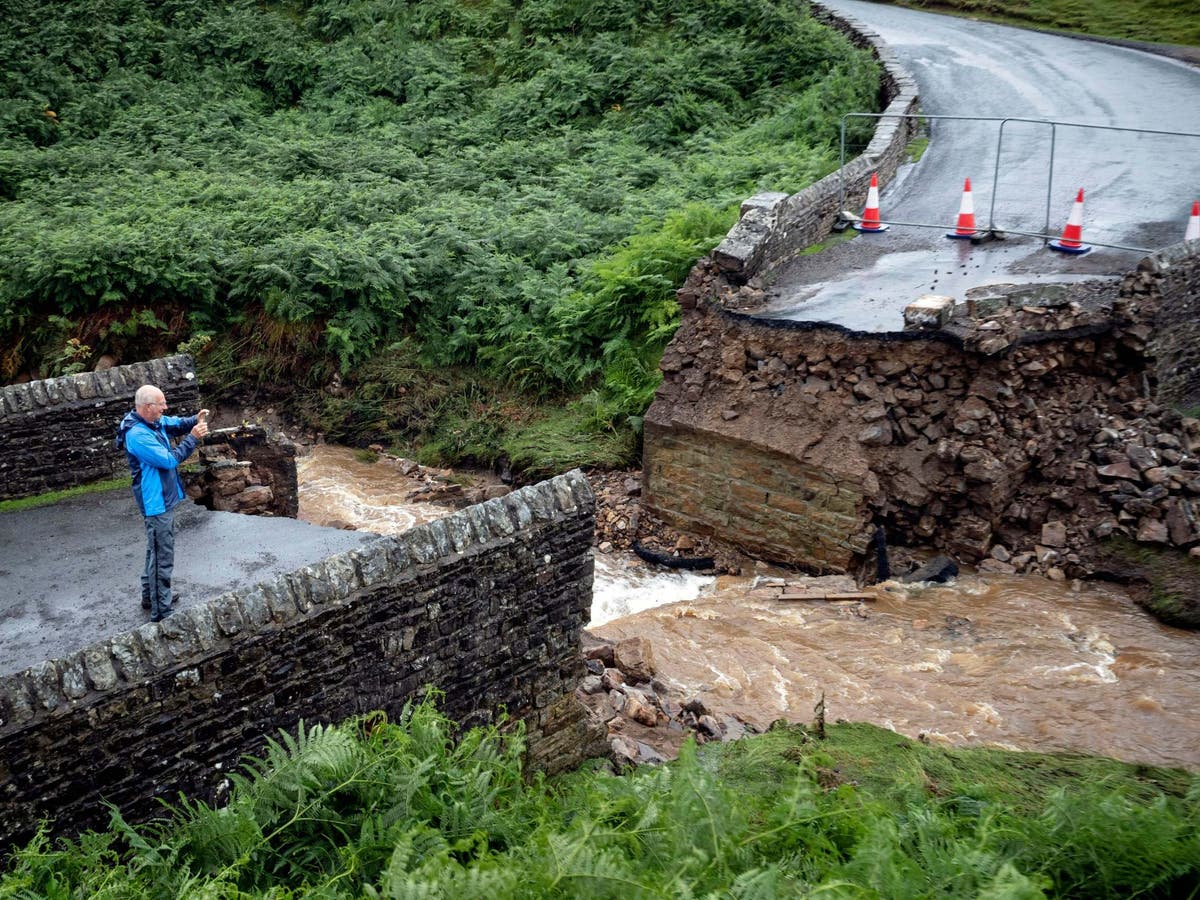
x=512, y=189
x=405, y=810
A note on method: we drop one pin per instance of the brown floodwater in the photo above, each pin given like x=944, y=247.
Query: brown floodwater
x=1015, y=662
x=336, y=488
x=1006, y=661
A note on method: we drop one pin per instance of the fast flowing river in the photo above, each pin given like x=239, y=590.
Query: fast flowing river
x=1007, y=661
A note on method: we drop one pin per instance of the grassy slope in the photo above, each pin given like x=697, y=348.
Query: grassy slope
x=51, y=497
x=1154, y=21
x=408, y=811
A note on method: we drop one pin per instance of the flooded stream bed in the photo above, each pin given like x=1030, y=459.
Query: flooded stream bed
x=1010, y=661
x=1017, y=662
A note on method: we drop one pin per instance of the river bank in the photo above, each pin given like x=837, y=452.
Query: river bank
x=997, y=660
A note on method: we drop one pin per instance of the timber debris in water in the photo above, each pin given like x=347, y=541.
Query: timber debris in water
x=840, y=596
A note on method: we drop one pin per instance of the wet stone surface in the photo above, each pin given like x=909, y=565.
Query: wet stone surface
x=82, y=583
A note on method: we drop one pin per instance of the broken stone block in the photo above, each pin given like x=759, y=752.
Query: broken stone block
x=877, y=434
x=929, y=311
x=1183, y=522
x=1054, y=534
x=612, y=679
x=1046, y=555
x=624, y=751
x=647, y=755
x=938, y=570
x=601, y=651
x=1142, y=458
x=1121, y=470
x=1152, y=531
x=635, y=658
x=639, y=708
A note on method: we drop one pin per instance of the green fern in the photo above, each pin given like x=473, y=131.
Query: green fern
x=413, y=809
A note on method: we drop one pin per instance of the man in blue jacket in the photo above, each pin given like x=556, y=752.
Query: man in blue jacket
x=145, y=435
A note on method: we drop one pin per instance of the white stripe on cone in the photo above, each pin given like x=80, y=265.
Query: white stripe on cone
x=1193, y=225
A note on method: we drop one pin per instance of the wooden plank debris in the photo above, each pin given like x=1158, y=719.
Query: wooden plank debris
x=840, y=596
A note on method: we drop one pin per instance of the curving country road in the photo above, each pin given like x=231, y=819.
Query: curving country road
x=1139, y=187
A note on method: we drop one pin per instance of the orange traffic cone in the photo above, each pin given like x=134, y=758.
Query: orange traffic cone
x=870, y=217
x=965, y=229
x=1069, y=242
x=1193, y=226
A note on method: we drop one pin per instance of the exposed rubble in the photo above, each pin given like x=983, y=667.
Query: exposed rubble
x=1019, y=437
x=646, y=719
x=246, y=469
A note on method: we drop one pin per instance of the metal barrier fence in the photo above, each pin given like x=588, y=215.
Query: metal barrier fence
x=1004, y=121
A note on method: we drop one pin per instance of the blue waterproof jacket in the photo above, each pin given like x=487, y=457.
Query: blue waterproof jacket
x=153, y=462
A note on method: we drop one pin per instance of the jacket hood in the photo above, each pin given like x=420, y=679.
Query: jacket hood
x=131, y=418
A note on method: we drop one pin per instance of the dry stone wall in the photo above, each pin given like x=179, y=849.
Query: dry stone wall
x=58, y=433
x=486, y=604
x=764, y=500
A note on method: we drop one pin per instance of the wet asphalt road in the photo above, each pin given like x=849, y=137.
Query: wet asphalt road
x=1138, y=187
x=69, y=573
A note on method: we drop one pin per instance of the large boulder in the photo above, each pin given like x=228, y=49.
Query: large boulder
x=634, y=657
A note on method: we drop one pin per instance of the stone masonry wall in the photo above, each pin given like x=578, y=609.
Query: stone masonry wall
x=769, y=503
x=774, y=226
x=1176, y=338
x=486, y=604
x=58, y=433
x=245, y=469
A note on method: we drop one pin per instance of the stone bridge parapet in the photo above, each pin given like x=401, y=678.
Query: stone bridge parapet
x=58, y=433
x=772, y=227
x=486, y=605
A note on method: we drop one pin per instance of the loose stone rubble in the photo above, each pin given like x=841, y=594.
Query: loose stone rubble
x=645, y=720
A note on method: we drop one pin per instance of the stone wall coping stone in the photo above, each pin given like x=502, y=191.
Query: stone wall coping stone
x=128, y=660
x=119, y=381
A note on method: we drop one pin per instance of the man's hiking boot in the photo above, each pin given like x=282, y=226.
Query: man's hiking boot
x=146, y=601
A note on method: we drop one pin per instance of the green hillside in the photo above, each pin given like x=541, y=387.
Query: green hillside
x=406, y=811
x=1155, y=21
x=511, y=189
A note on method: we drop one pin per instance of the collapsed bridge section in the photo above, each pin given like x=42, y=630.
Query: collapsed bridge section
x=1020, y=435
